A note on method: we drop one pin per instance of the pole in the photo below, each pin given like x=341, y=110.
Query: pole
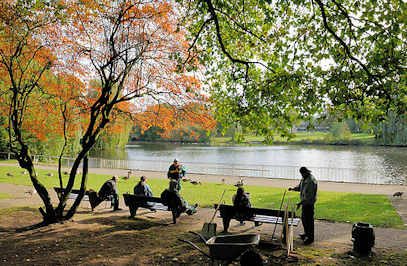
x=278, y=214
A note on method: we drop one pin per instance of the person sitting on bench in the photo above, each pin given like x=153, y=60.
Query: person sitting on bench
x=172, y=198
x=241, y=200
x=108, y=190
x=143, y=189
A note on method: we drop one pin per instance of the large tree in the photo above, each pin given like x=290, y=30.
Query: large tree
x=89, y=59
x=271, y=62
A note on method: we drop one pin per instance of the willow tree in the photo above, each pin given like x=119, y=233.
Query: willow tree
x=131, y=49
x=271, y=62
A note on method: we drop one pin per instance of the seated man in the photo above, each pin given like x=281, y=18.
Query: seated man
x=173, y=199
x=108, y=190
x=240, y=202
x=143, y=189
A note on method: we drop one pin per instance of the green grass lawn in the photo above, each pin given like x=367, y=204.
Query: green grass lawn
x=332, y=206
x=4, y=196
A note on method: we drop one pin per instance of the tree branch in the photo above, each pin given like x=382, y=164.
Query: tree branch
x=342, y=42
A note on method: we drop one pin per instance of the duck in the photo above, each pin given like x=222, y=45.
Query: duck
x=398, y=194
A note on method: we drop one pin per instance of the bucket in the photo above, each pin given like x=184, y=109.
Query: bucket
x=363, y=238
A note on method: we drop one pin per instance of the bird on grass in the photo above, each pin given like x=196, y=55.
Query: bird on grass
x=30, y=192
x=240, y=183
x=398, y=194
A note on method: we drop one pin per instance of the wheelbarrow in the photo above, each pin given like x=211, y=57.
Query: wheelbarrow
x=226, y=248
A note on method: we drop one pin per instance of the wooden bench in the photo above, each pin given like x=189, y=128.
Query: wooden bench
x=135, y=201
x=258, y=215
x=74, y=194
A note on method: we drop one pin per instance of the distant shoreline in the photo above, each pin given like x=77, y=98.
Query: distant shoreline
x=260, y=143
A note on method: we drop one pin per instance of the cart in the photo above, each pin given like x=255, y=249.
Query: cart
x=226, y=248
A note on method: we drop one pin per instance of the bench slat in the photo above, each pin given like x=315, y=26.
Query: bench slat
x=142, y=199
x=74, y=194
x=159, y=206
x=257, y=211
x=260, y=215
x=272, y=220
x=138, y=198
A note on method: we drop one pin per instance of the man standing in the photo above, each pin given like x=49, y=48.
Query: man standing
x=176, y=172
x=308, y=194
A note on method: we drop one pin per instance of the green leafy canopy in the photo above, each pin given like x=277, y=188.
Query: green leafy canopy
x=270, y=63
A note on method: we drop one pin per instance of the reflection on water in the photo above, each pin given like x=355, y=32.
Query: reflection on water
x=109, y=154
x=387, y=162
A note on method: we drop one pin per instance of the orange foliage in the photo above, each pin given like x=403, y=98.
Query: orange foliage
x=131, y=48
x=170, y=119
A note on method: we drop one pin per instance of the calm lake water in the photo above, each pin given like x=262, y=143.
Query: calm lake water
x=364, y=164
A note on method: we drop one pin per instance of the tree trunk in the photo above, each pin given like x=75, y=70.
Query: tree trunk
x=69, y=186
x=82, y=190
x=49, y=214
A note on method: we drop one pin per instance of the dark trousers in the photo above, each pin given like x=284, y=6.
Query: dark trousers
x=115, y=201
x=307, y=218
x=95, y=200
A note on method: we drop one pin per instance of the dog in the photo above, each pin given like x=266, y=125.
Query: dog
x=398, y=194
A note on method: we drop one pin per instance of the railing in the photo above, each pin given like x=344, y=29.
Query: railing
x=356, y=175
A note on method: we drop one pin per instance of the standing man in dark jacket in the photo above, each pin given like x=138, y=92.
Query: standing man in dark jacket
x=176, y=172
x=308, y=194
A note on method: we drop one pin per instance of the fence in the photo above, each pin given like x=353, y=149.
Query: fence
x=356, y=175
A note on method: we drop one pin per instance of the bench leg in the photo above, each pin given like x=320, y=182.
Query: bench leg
x=226, y=223
x=94, y=200
x=133, y=210
x=174, y=216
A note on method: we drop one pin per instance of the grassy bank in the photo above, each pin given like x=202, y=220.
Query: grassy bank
x=303, y=138
x=333, y=206
x=5, y=196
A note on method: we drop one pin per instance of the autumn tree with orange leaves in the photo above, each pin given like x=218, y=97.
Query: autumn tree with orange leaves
x=132, y=50
x=179, y=120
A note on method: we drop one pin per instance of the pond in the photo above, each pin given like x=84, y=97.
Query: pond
x=365, y=164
